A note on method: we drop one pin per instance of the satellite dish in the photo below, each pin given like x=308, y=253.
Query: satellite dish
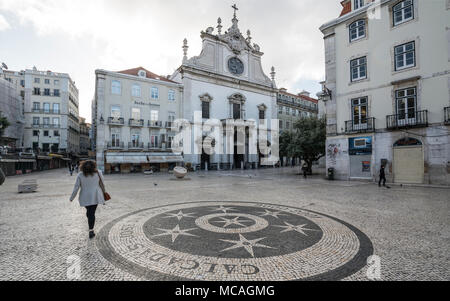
x=4, y=66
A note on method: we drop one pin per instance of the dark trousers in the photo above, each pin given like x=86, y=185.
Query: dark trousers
x=90, y=213
x=382, y=178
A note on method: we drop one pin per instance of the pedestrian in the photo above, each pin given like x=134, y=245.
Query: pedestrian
x=77, y=167
x=305, y=169
x=91, y=194
x=70, y=168
x=382, y=176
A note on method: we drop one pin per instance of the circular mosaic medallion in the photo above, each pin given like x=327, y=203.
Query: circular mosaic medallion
x=234, y=241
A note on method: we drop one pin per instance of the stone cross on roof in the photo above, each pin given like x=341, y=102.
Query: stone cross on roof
x=235, y=9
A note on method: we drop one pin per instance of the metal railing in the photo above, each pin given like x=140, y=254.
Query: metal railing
x=365, y=125
x=155, y=124
x=44, y=111
x=135, y=145
x=45, y=126
x=169, y=124
x=116, y=145
x=416, y=119
x=447, y=115
x=116, y=121
x=152, y=145
x=136, y=123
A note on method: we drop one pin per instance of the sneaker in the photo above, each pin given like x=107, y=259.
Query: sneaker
x=91, y=234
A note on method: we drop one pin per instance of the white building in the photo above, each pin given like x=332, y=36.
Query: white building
x=11, y=108
x=226, y=82
x=133, y=113
x=50, y=108
x=388, y=90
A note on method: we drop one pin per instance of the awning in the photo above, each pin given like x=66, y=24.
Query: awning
x=56, y=156
x=143, y=158
x=66, y=159
x=44, y=158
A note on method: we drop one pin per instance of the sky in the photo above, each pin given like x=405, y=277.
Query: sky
x=78, y=37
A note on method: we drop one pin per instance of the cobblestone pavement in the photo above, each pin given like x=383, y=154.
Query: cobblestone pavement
x=256, y=225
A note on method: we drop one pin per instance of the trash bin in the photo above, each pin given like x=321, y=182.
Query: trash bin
x=331, y=174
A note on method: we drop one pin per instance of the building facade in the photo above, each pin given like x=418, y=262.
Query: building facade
x=133, y=113
x=292, y=107
x=387, y=90
x=11, y=108
x=50, y=106
x=85, y=139
x=226, y=83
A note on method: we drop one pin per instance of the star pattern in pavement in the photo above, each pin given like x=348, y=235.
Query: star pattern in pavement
x=234, y=221
x=248, y=245
x=175, y=232
x=275, y=214
x=300, y=228
x=180, y=215
x=224, y=209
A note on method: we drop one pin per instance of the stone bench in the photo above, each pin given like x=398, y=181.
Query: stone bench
x=28, y=186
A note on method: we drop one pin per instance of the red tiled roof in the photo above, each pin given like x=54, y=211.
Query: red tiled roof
x=307, y=98
x=135, y=72
x=347, y=7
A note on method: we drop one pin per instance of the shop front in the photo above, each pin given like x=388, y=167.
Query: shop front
x=360, y=151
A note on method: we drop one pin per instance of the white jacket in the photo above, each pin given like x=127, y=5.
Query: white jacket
x=91, y=193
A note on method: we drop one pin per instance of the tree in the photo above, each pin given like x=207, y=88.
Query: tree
x=4, y=123
x=306, y=141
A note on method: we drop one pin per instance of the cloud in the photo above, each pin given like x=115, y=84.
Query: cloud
x=131, y=33
x=4, y=25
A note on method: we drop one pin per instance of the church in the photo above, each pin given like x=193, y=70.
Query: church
x=226, y=82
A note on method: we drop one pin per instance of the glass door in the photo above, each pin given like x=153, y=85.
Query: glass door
x=359, y=108
x=406, y=106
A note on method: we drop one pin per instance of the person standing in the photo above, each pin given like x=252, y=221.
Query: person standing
x=91, y=194
x=305, y=169
x=70, y=169
x=77, y=167
x=382, y=176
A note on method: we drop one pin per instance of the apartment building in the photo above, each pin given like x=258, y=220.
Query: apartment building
x=11, y=109
x=85, y=140
x=292, y=107
x=387, y=90
x=50, y=107
x=133, y=113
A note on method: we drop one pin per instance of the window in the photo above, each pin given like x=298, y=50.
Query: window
x=281, y=124
x=47, y=92
x=37, y=91
x=45, y=133
x=46, y=108
x=205, y=109
x=358, y=4
x=236, y=111
x=36, y=106
x=136, y=113
x=154, y=139
x=171, y=95
x=35, y=133
x=116, y=87
x=405, y=56
x=262, y=114
x=357, y=30
x=135, y=139
x=36, y=120
x=280, y=109
x=288, y=125
x=359, y=109
x=172, y=117
x=22, y=83
x=288, y=110
x=115, y=111
x=154, y=115
x=46, y=121
x=56, y=108
x=403, y=12
x=358, y=69
x=56, y=121
x=115, y=140
x=47, y=81
x=155, y=93
x=56, y=82
x=406, y=100
x=136, y=90
x=56, y=92
x=37, y=80
x=56, y=133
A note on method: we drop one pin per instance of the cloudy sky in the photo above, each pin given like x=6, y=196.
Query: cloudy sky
x=77, y=37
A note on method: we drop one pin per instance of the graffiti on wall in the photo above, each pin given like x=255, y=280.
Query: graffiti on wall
x=332, y=152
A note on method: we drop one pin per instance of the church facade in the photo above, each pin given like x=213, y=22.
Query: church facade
x=226, y=83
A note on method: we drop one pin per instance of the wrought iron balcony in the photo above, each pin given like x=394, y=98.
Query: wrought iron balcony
x=44, y=111
x=136, y=123
x=447, y=115
x=155, y=124
x=407, y=120
x=169, y=124
x=115, y=145
x=365, y=125
x=116, y=121
x=135, y=145
x=153, y=145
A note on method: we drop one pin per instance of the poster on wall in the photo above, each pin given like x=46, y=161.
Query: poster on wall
x=365, y=166
x=360, y=146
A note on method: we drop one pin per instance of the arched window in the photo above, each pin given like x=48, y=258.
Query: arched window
x=357, y=30
x=403, y=12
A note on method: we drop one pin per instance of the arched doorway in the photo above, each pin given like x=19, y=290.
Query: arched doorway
x=408, y=161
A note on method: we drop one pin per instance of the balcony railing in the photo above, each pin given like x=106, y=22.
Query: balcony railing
x=169, y=124
x=447, y=115
x=365, y=125
x=116, y=121
x=43, y=111
x=153, y=145
x=116, y=145
x=45, y=126
x=136, y=123
x=415, y=119
x=135, y=145
x=155, y=124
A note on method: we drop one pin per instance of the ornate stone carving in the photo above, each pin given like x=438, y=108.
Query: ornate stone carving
x=235, y=66
x=206, y=97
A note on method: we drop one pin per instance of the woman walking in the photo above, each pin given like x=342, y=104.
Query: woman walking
x=91, y=194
